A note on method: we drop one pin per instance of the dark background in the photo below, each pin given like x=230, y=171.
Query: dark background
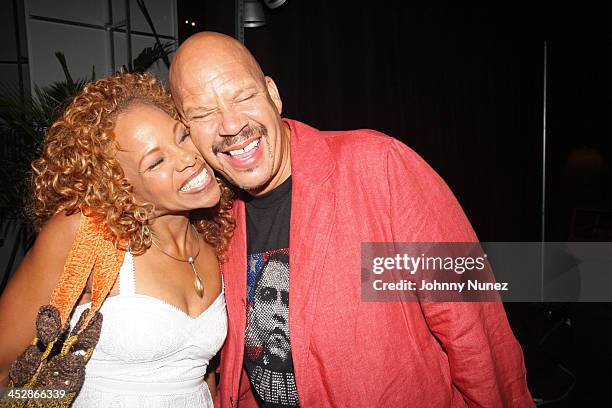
x=464, y=87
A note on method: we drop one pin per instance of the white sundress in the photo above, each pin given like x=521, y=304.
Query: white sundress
x=150, y=353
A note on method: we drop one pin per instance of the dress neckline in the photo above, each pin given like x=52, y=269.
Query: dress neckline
x=127, y=289
x=168, y=305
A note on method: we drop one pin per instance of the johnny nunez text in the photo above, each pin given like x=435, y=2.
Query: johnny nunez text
x=473, y=284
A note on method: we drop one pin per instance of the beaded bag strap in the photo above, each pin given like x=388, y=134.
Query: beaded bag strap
x=91, y=253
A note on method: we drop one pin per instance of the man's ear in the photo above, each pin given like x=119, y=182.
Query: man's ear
x=274, y=95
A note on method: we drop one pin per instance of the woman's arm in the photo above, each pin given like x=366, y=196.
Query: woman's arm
x=31, y=287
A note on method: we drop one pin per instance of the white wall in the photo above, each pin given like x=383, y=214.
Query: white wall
x=85, y=47
x=9, y=76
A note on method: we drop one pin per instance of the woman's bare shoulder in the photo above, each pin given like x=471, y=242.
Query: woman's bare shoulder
x=57, y=235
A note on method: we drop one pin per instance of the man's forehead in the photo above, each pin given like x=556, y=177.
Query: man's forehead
x=211, y=82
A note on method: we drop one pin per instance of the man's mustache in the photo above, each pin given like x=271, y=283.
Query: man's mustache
x=243, y=135
x=281, y=332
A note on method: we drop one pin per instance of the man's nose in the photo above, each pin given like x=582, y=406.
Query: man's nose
x=232, y=122
x=279, y=319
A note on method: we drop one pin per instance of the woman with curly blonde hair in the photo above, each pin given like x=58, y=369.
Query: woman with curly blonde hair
x=133, y=227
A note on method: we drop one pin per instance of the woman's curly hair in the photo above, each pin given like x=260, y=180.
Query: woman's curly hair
x=78, y=171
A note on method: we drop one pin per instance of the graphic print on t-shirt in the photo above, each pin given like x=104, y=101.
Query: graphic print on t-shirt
x=267, y=344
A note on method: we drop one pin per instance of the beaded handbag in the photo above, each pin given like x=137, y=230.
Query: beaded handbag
x=51, y=371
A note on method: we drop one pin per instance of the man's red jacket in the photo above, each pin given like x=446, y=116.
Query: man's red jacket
x=362, y=186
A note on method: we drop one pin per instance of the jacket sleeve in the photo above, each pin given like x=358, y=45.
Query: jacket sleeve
x=246, y=399
x=486, y=361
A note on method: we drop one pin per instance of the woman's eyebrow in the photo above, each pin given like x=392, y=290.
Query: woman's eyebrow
x=176, y=127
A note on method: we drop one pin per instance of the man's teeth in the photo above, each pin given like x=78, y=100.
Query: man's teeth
x=195, y=182
x=247, y=148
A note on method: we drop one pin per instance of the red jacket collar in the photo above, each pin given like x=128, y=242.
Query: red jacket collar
x=312, y=162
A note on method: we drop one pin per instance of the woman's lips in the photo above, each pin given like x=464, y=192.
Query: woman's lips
x=197, y=182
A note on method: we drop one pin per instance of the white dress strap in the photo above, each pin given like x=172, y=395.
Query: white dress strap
x=127, y=282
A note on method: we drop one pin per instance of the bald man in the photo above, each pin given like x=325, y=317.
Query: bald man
x=316, y=196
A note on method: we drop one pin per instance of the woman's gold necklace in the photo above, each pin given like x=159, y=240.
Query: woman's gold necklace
x=197, y=282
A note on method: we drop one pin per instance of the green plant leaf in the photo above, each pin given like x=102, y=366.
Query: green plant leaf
x=149, y=55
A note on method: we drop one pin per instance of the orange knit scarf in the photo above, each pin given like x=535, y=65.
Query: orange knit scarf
x=90, y=254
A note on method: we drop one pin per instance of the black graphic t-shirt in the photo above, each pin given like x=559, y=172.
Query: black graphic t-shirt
x=267, y=358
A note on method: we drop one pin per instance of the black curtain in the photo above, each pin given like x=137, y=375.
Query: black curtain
x=451, y=83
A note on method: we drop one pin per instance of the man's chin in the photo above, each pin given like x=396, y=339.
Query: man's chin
x=279, y=352
x=250, y=180
x=254, y=188
x=254, y=191
x=276, y=358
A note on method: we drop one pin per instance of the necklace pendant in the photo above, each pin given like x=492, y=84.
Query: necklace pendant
x=199, y=287
x=197, y=282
